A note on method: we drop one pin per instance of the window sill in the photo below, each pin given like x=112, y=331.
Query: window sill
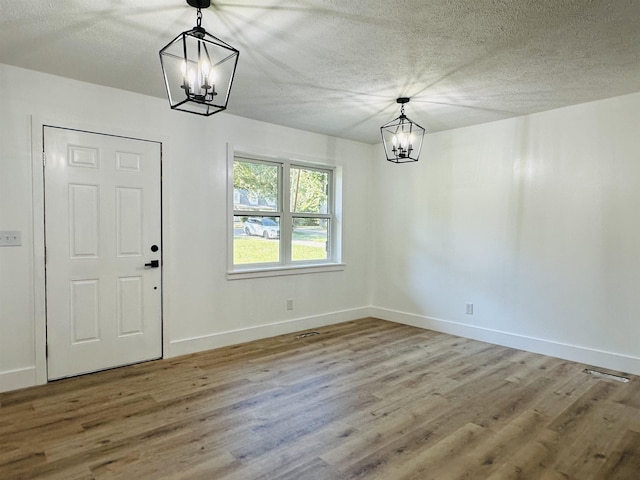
x=281, y=271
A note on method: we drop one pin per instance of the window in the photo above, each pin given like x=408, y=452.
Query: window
x=283, y=215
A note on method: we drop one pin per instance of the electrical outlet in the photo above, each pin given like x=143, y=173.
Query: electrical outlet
x=290, y=304
x=469, y=310
x=10, y=238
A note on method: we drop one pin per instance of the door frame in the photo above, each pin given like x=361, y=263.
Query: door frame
x=39, y=278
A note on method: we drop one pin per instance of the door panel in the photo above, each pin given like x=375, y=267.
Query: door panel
x=85, y=310
x=83, y=220
x=129, y=221
x=130, y=306
x=103, y=214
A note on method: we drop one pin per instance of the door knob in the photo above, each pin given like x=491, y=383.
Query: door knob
x=153, y=264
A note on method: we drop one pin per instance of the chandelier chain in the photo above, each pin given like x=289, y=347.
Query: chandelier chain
x=199, y=21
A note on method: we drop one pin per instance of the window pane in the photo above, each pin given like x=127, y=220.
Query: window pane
x=256, y=240
x=309, y=190
x=310, y=239
x=255, y=186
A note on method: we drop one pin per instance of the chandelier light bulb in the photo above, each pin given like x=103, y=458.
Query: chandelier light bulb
x=192, y=79
x=204, y=68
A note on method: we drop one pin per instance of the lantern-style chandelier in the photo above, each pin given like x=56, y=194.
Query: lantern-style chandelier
x=402, y=138
x=198, y=69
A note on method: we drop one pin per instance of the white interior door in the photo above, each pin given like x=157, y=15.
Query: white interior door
x=103, y=235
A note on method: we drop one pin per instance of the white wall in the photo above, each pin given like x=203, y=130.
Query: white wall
x=202, y=308
x=534, y=220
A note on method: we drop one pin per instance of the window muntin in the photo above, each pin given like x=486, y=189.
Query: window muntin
x=266, y=235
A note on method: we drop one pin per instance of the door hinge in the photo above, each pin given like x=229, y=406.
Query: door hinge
x=44, y=159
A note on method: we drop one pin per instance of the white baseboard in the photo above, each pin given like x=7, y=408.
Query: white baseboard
x=575, y=353
x=16, y=379
x=26, y=377
x=232, y=337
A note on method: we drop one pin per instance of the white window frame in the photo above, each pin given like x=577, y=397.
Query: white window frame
x=285, y=266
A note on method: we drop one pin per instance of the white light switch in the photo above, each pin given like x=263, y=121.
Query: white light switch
x=10, y=238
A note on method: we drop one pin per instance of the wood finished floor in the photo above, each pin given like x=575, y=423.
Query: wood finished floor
x=365, y=399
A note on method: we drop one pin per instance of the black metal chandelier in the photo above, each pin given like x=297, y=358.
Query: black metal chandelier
x=402, y=138
x=198, y=69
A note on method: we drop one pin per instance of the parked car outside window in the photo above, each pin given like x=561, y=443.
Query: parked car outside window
x=262, y=227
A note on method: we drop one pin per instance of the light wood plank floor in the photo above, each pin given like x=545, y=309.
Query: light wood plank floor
x=365, y=399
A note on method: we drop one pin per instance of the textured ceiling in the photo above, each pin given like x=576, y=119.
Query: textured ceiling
x=336, y=66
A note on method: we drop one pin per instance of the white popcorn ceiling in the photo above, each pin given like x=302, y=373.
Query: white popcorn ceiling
x=336, y=67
